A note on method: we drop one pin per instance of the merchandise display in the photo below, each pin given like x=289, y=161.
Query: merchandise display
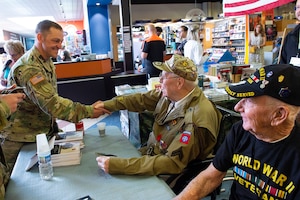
x=65, y=154
x=230, y=34
x=69, y=136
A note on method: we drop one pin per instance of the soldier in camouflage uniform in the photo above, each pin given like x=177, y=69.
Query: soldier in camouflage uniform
x=179, y=135
x=8, y=104
x=37, y=114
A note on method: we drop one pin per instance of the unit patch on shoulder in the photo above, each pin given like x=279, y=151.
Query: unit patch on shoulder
x=36, y=79
x=185, y=137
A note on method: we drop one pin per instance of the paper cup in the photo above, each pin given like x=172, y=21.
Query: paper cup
x=101, y=128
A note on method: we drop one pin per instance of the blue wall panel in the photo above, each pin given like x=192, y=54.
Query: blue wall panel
x=99, y=29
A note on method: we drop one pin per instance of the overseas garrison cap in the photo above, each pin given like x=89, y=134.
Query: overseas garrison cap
x=179, y=65
x=280, y=81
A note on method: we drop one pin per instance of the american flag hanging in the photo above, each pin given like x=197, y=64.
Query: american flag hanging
x=246, y=7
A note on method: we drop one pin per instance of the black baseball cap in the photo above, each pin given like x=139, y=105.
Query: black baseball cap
x=280, y=81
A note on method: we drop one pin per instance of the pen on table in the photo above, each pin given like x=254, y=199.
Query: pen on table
x=104, y=154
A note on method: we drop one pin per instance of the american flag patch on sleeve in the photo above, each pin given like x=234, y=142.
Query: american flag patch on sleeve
x=36, y=79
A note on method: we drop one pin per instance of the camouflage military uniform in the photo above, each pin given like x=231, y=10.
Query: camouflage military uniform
x=187, y=133
x=37, y=113
x=4, y=172
x=5, y=112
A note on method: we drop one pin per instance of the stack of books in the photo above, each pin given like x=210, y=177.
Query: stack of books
x=65, y=154
x=66, y=149
x=70, y=136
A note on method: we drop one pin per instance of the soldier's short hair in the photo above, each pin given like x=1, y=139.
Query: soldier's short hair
x=45, y=25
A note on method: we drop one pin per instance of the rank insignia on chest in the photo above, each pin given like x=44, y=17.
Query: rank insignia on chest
x=185, y=137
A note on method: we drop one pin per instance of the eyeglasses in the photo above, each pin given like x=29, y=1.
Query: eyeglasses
x=161, y=77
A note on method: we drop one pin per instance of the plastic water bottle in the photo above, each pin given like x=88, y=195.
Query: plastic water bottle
x=44, y=157
x=45, y=165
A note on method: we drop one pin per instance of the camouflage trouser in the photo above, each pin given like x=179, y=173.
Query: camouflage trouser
x=11, y=151
x=4, y=177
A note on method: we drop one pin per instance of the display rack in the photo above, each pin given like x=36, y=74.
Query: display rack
x=221, y=34
x=170, y=31
x=229, y=34
x=218, y=55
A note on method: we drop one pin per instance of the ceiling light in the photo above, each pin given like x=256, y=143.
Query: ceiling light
x=97, y=4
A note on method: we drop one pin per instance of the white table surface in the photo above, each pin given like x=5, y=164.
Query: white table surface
x=73, y=182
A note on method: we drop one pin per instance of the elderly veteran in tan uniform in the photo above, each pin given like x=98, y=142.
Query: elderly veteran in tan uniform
x=185, y=127
x=37, y=114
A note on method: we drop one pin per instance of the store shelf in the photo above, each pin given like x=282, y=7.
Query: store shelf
x=236, y=38
x=221, y=45
x=237, y=45
x=230, y=34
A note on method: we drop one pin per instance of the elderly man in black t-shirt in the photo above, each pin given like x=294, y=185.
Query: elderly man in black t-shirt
x=263, y=149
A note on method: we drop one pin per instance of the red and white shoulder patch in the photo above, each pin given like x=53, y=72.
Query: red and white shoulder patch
x=185, y=137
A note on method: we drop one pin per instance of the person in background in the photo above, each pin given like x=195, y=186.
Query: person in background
x=183, y=30
x=14, y=49
x=193, y=48
x=65, y=54
x=257, y=41
x=276, y=50
x=153, y=49
x=291, y=47
x=158, y=30
x=37, y=114
x=8, y=105
x=263, y=148
x=185, y=128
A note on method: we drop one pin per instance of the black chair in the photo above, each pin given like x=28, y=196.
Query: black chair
x=179, y=181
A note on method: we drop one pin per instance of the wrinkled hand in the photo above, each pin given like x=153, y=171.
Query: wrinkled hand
x=98, y=108
x=103, y=162
x=12, y=100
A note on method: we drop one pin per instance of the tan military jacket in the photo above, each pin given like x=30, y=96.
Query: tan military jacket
x=42, y=105
x=188, y=133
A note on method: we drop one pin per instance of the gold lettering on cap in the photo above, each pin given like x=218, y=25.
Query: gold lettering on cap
x=280, y=78
x=245, y=94
x=262, y=74
x=230, y=92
